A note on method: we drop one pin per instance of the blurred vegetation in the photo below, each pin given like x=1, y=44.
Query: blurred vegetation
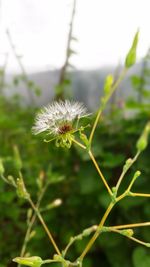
x=82, y=192
x=72, y=177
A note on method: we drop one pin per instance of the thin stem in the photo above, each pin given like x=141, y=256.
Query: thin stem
x=86, y=232
x=32, y=220
x=100, y=173
x=18, y=58
x=125, y=194
x=132, y=238
x=67, y=56
x=44, y=226
x=116, y=84
x=134, y=225
x=97, y=233
x=124, y=172
x=139, y=194
x=78, y=143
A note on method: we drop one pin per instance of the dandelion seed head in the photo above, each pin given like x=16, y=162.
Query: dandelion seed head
x=58, y=117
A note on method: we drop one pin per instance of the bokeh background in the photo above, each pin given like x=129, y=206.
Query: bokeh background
x=64, y=49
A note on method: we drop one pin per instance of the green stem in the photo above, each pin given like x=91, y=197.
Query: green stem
x=133, y=225
x=139, y=194
x=31, y=222
x=44, y=226
x=132, y=238
x=99, y=172
x=116, y=84
x=125, y=171
x=97, y=233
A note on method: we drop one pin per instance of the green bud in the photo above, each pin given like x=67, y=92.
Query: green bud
x=21, y=189
x=84, y=138
x=18, y=161
x=136, y=175
x=2, y=170
x=131, y=56
x=127, y=164
x=11, y=180
x=108, y=83
x=32, y=234
x=127, y=232
x=29, y=261
x=143, y=140
x=141, y=144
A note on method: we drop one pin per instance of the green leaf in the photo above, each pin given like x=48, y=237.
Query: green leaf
x=131, y=56
x=143, y=140
x=2, y=170
x=141, y=257
x=108, y=83
x=29, y=261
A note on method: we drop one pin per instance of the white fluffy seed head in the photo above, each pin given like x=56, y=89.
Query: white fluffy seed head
x=58, y=114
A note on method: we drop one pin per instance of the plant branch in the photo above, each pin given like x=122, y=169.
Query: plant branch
x=18, y=58
x=100, y=173
x=67, y=56
x=113, y=88
x=97, y=233
x=125, y=170
x=134, y=225
x=44, y=226
x=32, y=220
x=139, y=194
x=78, y=143
x=131, y=237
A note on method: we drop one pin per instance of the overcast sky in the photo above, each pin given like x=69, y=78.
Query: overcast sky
x=104, y=29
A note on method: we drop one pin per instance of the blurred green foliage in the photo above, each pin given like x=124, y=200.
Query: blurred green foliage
x=82, y=192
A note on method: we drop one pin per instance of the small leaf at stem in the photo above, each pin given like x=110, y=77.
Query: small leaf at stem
x=131, y=56
x=29, y=261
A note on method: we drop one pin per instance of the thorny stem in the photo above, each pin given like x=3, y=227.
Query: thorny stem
x=124, y=172
x=31, y=222
x=100, y=173
x=113, y=88
x=97, y=233
x=44, y=226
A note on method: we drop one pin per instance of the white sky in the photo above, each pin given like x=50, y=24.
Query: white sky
x=104, y=29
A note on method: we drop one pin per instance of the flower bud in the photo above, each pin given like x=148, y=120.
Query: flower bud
x=29, y=261
x=21, y=189
x=127, y=164
x=108, y=83
x=131, y=56
x=143, y=140
x=2, y=170
x=127, y=232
